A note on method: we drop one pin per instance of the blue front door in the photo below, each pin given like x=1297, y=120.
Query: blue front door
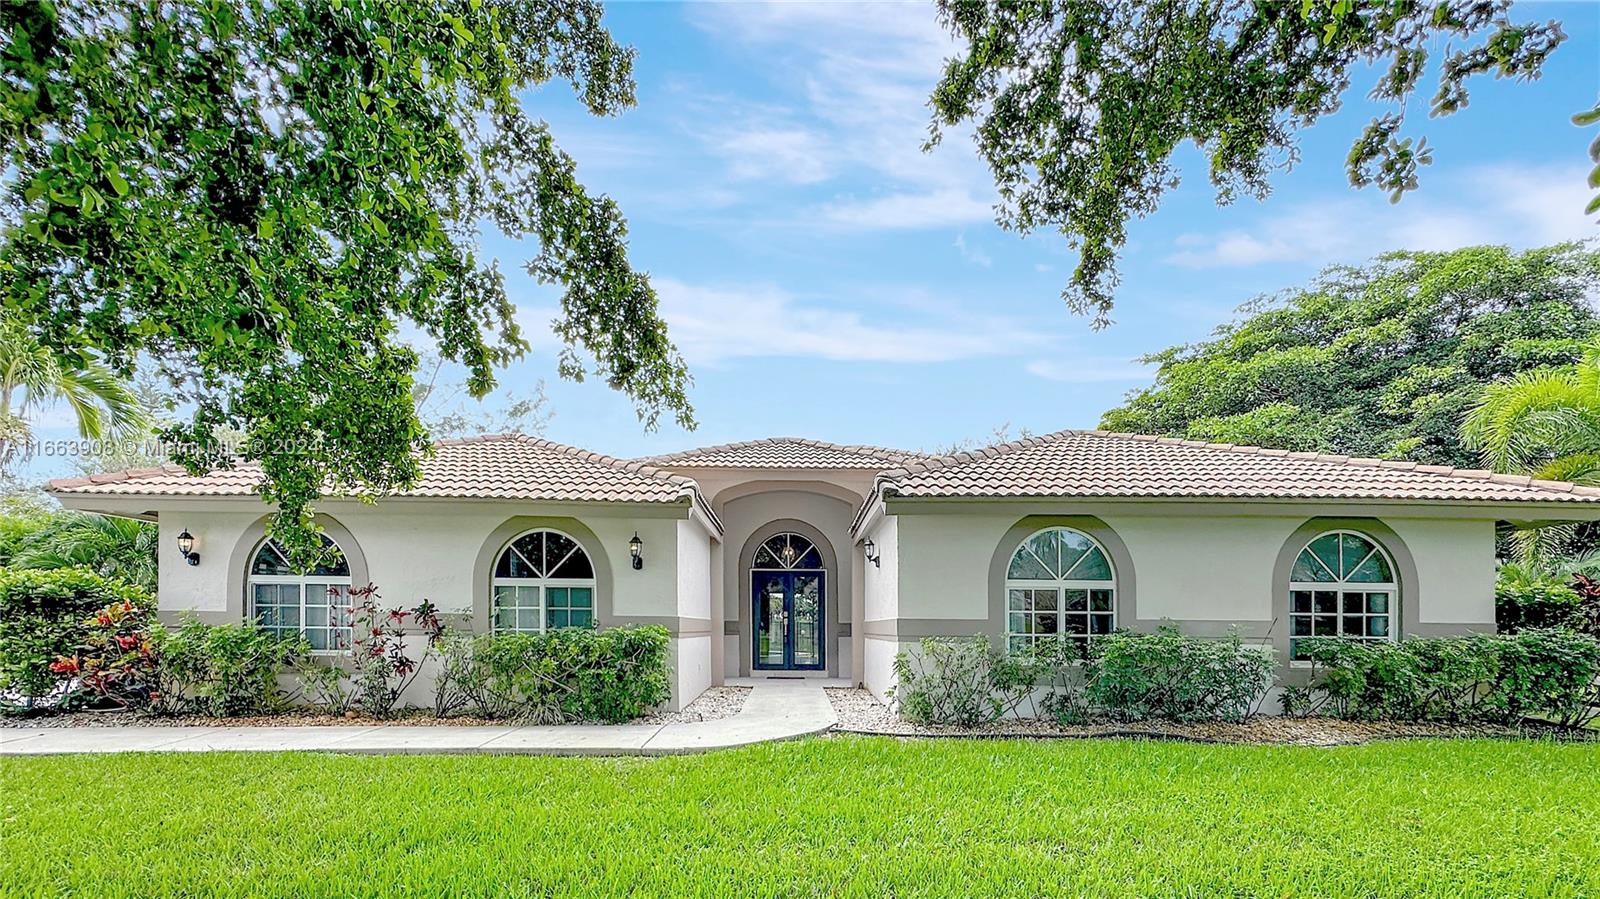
x=788, y=616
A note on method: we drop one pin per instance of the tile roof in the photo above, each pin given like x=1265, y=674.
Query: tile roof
x=787, y=452
x=1108, y=464
x=500, y=466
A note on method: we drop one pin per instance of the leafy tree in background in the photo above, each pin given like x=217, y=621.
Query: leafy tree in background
x=1379, y=360
x=447, y=408
x=258, y=196
x=1079, y=105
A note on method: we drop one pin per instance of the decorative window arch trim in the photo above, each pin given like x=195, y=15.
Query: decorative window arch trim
x=1125, y=578
x=545, y=606
x=244, y=550
x=508, y=530
x=1403, y=624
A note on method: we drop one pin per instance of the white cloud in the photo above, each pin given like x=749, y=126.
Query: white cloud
x=863, y=73
x=972, y=254
x=714, y=323
x=1516, y=205
x=1074, y=369
x=934, y=209
x=789, y=154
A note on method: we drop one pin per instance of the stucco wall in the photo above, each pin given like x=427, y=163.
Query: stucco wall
x=417, y=550
x=1196, y=568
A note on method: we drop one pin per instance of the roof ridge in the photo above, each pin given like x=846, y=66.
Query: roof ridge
x=936, y=463
x=1445, y=471
x=863, y=450
x=633, y=466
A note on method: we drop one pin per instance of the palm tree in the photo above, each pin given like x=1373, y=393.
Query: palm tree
x=31, y=376
x=113, y=547
x=1545, y=423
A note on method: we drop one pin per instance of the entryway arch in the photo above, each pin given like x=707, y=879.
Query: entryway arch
x=788, y=571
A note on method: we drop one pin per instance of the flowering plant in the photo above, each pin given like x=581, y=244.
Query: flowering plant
x=380, y=667
x=115, y=662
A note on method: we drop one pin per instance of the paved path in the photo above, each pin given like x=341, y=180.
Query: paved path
x=772, y=712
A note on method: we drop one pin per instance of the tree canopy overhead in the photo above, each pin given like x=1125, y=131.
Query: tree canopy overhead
x=260, y=196
x=1079, y=105
x=1380, y=360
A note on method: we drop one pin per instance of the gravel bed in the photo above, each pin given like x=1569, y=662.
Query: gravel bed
x=718, y=702
x=861, y=712
x=714, y=704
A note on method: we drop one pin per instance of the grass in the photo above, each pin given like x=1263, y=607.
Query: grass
x=842, y=816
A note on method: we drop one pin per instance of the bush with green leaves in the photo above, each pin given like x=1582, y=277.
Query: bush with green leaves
x=222, y=670
x=961, y=681
x=1525, y=599
x=1169, y=676
x=1552, y=675
x=558, y=676
x=44, y=616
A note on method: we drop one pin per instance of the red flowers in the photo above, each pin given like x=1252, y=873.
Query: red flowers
x=127, y=642
x=66, y=665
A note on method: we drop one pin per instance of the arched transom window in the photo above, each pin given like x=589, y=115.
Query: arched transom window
x=1059, y=586
x=315, y=603
x=785, y=552
x=542, y=581
x=1342, y=585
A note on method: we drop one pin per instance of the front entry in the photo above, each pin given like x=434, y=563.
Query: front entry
x=788, y=598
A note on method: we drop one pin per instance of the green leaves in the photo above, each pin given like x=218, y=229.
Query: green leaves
x=1079, y=105
x=1381, y=360
x=260, y=197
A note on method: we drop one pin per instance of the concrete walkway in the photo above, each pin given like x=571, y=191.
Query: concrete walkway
x=773, y=711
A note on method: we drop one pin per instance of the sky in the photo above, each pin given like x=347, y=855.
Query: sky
x=825, y=277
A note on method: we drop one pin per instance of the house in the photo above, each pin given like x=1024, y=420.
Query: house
x=798, y=558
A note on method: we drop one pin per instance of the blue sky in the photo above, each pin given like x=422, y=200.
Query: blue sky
x=824, y=277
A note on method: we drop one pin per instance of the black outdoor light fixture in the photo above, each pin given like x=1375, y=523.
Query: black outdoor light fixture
x=635, y=548
x=186, y=548
x=871, y=551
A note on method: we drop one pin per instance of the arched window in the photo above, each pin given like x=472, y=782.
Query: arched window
x=1342, y=585
x=315, y=603
x=786, y=552
x=1060, y=586
x=542, y=581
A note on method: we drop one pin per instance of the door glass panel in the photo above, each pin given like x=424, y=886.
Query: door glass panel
x=807, y=621
x=770, y=619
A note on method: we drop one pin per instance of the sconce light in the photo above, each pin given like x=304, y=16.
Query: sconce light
x=871, y=550
x=186, y=548
x=635, y=547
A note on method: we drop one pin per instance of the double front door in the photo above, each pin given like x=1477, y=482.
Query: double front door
x=788, y=618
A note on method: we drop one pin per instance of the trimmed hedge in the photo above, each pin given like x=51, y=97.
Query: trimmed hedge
x=566, y=675
x=43, y=616
x=1552, y=675
x=1126, y=676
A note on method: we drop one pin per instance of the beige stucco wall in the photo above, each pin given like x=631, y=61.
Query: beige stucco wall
x=1192, y=567
x=417, y=549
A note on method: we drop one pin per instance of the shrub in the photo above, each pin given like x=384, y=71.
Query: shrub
x=221, y=670
x=115, y=663
x=44, y=616
x=1549, y=674
x=1166, y=675
x=1520, y=604
x=566, y=675
x=961, y=681
x=379, y=669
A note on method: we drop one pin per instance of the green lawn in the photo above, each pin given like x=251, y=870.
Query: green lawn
x=843, y=816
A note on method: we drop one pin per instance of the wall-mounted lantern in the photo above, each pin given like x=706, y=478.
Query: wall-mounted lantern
x=186, y=548
x=636, y=549
x=871, y=550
